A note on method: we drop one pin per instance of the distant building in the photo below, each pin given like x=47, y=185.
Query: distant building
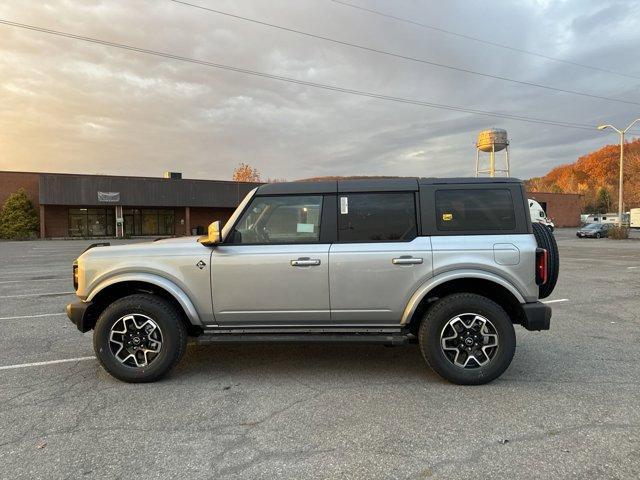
x=564, y=209
x=73, y=205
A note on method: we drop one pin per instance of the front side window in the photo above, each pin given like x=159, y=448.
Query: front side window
x=376, y=217
x=280, y=219
x=475, y=210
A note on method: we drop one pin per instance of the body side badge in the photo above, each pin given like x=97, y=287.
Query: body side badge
x=201, y=264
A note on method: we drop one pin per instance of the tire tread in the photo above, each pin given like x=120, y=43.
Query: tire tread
x=546, y=240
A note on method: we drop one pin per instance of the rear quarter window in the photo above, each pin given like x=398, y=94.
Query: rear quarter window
x=474, y=209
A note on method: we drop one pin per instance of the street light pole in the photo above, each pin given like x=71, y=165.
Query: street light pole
x=620, y=184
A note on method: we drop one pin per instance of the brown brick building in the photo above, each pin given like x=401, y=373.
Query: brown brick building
x=73, y=205
x=564, y=209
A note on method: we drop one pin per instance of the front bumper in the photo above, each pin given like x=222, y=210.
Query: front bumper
x=77, y=313
x=537, y=316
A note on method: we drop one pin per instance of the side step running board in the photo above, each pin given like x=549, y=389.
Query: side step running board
x=386, y=339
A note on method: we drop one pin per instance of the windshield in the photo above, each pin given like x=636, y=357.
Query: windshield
x=593, y=226
x=236, y=214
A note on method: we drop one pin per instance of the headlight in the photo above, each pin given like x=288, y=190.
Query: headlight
x=75, y=275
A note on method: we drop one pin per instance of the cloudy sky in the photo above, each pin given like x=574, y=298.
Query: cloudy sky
x=71, y=106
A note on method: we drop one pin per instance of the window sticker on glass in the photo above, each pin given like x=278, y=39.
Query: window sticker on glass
x=447, y=217
x=344, y=205
x=305, y=227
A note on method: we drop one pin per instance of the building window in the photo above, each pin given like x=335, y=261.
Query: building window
x=148, y=221
x=91, y=222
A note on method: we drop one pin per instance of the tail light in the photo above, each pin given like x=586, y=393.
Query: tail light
x=542, y=271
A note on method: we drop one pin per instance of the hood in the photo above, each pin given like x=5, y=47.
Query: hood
x=167, y=246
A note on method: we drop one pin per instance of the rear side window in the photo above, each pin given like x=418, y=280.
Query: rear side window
x=474, y=209
x=376, y=217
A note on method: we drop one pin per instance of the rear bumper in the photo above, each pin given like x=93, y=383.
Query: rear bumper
x=77, y=313
x=537, y=316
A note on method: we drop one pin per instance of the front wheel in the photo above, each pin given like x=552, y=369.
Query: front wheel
x=598, y=235
x=139, y=338
x=467, y=339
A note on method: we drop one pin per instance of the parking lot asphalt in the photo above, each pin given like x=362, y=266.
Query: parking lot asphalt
x=568, y=407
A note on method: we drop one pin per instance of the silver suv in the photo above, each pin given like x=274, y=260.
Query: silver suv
x=451, y=264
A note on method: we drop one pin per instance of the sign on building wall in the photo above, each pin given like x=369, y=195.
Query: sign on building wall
x=109, y=197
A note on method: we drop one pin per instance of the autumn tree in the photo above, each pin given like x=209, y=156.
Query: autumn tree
x=18, y=217
x=594, y=171
x=536, y=184
x=603, y=200
x=246, y=173
x=555, y=188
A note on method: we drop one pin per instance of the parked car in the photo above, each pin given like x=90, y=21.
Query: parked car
x=451, y=264
x=539, y=215
x=595, y=230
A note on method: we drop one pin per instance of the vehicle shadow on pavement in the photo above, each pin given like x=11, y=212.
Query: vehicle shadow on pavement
x=344, y=363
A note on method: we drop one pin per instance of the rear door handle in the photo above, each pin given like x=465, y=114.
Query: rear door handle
x=305, y=262
x=406, y=261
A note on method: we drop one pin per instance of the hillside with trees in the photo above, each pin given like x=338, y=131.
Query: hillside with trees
x=595, y=176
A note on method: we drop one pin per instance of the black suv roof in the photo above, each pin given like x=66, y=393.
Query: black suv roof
x=372, y=185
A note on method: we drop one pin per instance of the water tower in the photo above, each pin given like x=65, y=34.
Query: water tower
x=492, y=141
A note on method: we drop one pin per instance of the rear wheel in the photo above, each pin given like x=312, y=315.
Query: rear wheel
x=467, y=339
x=139, y=338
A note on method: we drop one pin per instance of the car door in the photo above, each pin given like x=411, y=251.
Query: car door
x=274, y=267
x=378, y=260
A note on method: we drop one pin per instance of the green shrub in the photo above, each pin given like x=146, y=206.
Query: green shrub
x=18, y=217
x=619, y=233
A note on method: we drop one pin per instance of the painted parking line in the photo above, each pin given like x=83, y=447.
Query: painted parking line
x=48, y=294
x=50, y=362
x=25, y=271
x=29, y=280
x=18, y=317
x=70, y=248
x=556, y=301
x=55, y=254
x=632, y=268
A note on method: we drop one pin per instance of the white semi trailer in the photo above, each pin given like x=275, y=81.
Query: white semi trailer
x=634, y=218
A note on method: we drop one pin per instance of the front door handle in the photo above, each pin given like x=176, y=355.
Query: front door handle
x=305, y=262
x=406, y=260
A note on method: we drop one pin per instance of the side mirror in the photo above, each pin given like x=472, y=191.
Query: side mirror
x=213, y=235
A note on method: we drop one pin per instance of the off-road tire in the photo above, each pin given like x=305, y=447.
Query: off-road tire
x=546, y=240
x=164, y=314
x=437, y=317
